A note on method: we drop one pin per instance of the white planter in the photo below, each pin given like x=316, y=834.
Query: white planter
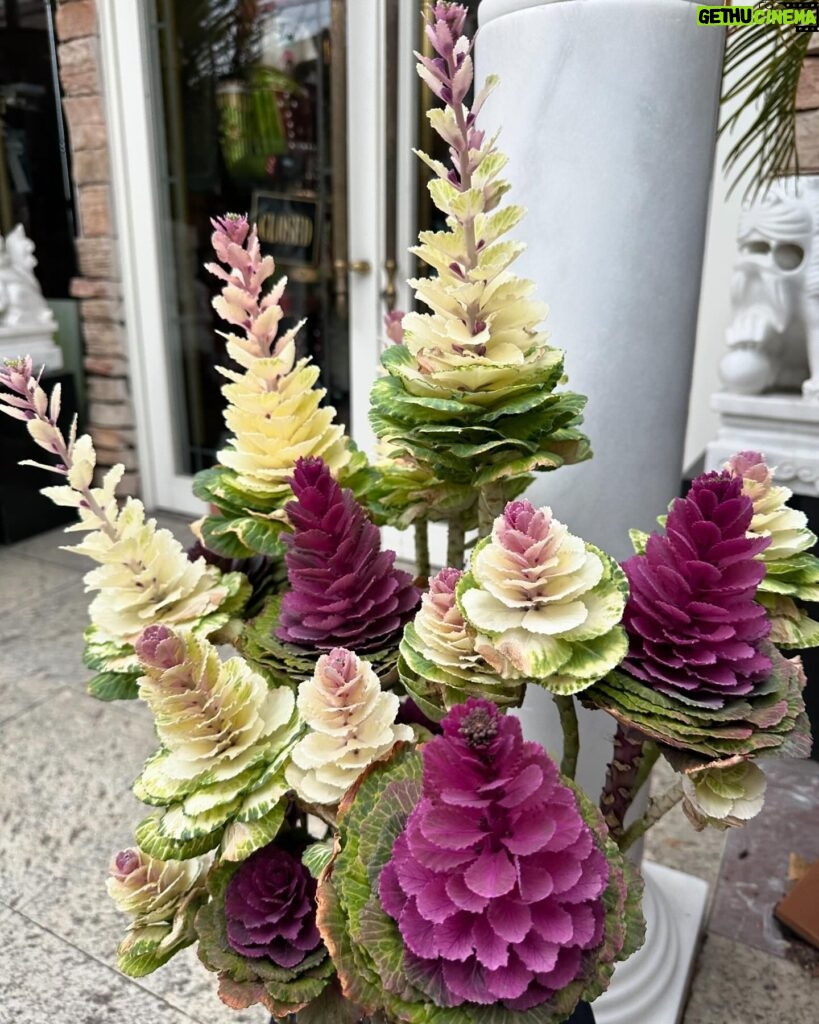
x=608, y=110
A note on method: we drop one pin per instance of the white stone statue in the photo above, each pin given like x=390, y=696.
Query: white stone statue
x=21, y=301
x=773, y=339
x=27, y=324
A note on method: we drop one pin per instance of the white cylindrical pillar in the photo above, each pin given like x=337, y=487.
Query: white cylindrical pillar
x=609, y=110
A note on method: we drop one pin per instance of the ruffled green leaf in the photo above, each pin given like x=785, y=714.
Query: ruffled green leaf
x=145, y=949
x=114, y=686
x=244, y=836
x=288, y=664
x=772, y=719
x=317, y=856
x=639, y=540
x=791, y=626
x=152, y=840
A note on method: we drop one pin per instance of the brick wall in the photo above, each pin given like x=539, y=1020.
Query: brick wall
x=807, y=105
x=98, y=288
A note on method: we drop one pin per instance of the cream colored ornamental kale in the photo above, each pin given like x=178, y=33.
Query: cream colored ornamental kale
x=351, y=724
x=544, y=601
x=273, y=411
x=439, y=664
x=723, y=797
x=225, y=738
x=791, y=570
x=161, y=898
x=471, y=391
x=144, y=575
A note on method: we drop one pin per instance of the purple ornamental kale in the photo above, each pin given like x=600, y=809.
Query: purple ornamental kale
x=693, y=623
x=270, y=908
x=496, y=883
x=344, y=590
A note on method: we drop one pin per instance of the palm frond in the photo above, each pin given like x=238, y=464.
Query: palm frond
x=764, y=63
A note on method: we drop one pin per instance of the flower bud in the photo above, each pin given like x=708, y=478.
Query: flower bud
x=159, y=648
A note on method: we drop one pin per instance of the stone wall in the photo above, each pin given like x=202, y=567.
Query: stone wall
x=807, y=106
x=98, y=288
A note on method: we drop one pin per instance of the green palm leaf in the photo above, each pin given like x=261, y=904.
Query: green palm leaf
x=764, y=62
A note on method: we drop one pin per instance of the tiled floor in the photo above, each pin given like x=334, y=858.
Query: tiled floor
x=66, y=764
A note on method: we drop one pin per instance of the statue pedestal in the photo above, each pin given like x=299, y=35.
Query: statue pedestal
x=35, y=340
x=784, y=427
x=652, y=984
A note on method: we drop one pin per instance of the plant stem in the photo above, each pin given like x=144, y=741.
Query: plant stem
x=422, y=548
x=656, y=809
x=571, y=737
x=455, y=543
x=631, y=761
x=491, y=501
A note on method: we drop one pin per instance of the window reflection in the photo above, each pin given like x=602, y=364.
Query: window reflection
x=245, y=115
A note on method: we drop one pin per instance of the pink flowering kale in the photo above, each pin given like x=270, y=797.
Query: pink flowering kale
x=695, y=629
x=496, y=881
x=270, y=908
x=470, y=876
x=345, y=591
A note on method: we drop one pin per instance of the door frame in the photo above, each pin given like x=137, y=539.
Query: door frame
x=130, y=97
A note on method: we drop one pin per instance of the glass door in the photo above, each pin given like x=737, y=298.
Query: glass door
x=272, y=107
x=246, y=94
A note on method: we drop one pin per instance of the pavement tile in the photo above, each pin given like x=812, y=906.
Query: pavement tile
x=44, y=639
x=47, y=547
x=755, y=871
x=26, y=580
x=734, y=984
x=47, y=980
x=66, y=769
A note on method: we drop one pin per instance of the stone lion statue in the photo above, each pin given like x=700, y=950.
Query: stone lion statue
x=21, y=301
x=773, y=338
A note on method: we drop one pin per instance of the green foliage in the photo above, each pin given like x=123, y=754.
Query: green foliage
x=471, y=438
x=764, y=63
x=114, y=685
x=317, y=856
x=772, y=719
x=436, y=688
x=791, y=626
x=288, y=664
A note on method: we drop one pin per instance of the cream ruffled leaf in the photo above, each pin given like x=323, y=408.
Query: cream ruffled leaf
x=350, y=722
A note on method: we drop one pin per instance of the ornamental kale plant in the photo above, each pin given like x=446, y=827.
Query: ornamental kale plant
x=342, y=816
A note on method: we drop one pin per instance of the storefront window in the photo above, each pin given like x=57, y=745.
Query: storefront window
x=245, y=86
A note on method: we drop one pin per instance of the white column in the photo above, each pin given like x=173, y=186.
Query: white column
x=608, y=110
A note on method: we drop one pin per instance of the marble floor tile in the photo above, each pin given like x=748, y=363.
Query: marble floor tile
x=48, y=548
x=24, y=581
x=755, y=871
x=44, y=639
x=46, y=980
x=19, y=694
x=734, y=984
x=66, y=769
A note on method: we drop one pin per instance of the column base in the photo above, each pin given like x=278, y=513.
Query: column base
x=653, y=984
